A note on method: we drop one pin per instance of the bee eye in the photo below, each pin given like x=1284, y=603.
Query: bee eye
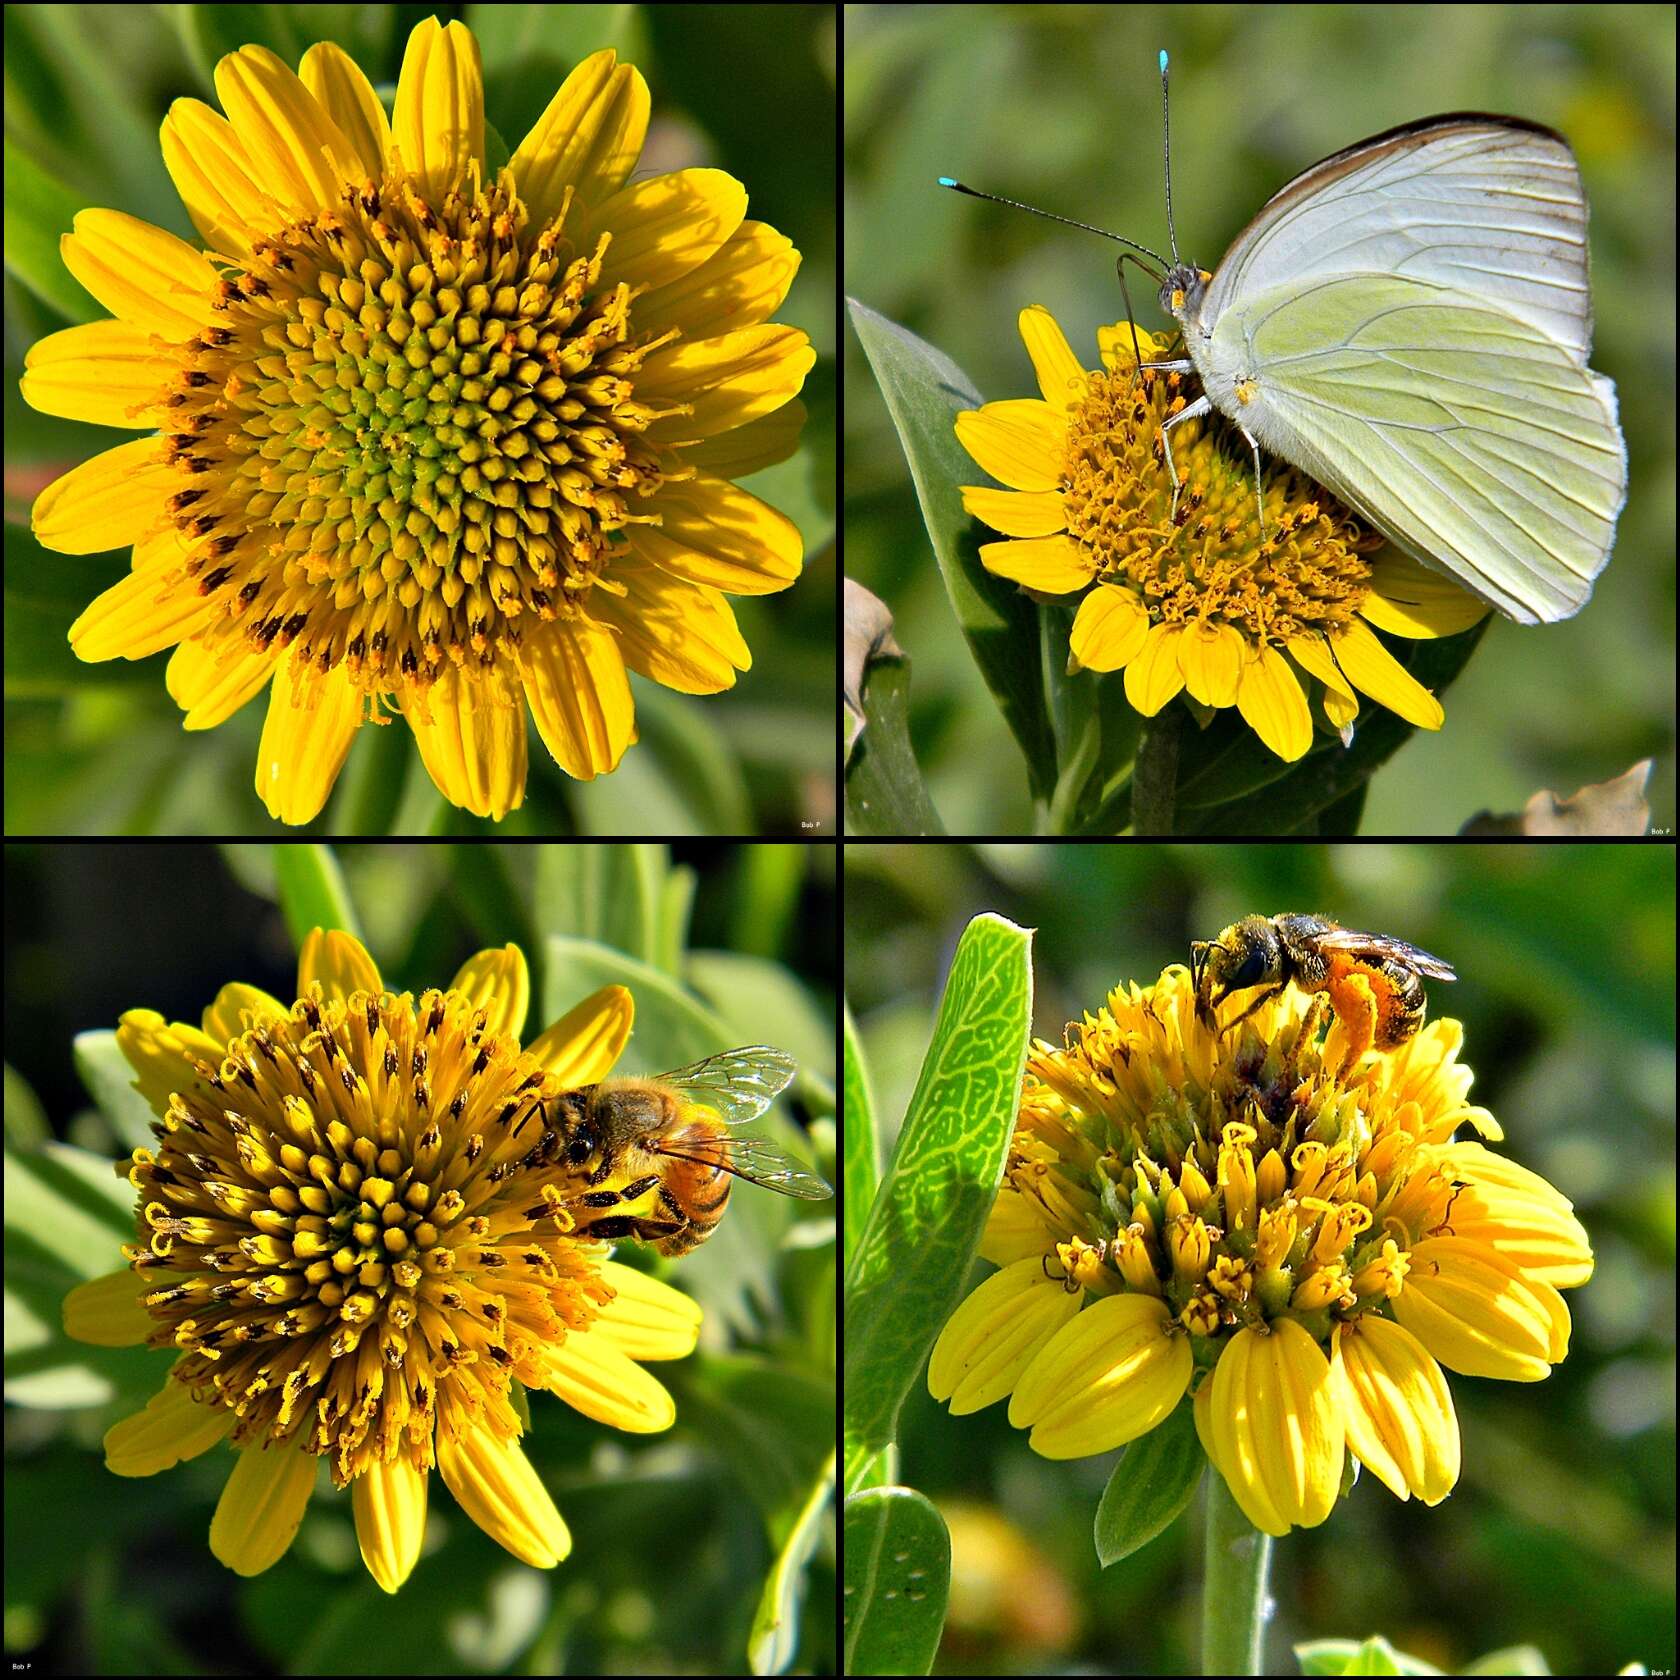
x=582, y=1145
x=1249, y=972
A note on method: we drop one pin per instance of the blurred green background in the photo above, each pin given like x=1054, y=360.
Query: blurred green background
x=1060, y=106
x=674, y=1534
x=1560, y=1532
x=98, y=749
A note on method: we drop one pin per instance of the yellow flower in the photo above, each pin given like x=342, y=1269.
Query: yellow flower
x=426, y=435
x=1202, y=600
x=1275, y=1222
x=350, y=1245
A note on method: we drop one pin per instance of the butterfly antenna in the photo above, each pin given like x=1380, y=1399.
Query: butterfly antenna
x=1048, y=215
x=1166, y=158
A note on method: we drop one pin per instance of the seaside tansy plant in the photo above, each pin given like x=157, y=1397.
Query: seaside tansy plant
x=1194, y=595
x=355, y=1258
x=1272, y=1222
x=426, y=433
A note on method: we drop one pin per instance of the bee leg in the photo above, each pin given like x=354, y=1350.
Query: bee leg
x=1359, y=1007
x=1265, y=997
x=618, y=1226
x=608, y=1198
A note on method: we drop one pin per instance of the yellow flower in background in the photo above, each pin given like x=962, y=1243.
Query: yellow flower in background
x=1273, y=1221
x=347, y=1243
x=1202, y=602
x=426, y=435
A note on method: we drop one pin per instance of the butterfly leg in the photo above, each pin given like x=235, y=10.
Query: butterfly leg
x=1195, y=411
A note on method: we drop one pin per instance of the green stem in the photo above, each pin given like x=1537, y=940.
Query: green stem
x=1155, y=773
x=1238, y=1558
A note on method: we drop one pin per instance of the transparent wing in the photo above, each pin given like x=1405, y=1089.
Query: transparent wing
x=1380, y=945
x=738, y=1084
x=755, y=1159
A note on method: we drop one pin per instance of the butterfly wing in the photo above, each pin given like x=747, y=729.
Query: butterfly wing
x=1408, y=322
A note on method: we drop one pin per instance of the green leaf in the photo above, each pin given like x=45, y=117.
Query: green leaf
x=209, y=33
x=39, y=210
x=911, y=1265
x=774, y=1639
x=884, y=789
x=898, y=1581
x=313, y=891
x=528, y=51
x=780, y=1012
x=924, y=392
x=1229, y=783
x=1238, y=791
x=862, y=1164
x=1154, y=1480
x=610, y=895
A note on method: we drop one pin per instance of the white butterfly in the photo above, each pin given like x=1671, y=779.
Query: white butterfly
x=1408, y=322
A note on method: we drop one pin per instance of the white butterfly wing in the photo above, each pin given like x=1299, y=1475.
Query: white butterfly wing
x=1409, y=322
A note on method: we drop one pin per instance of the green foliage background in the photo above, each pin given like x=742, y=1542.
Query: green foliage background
x=98, y=749
x=676, y=1537
x=1060, y=107
x=1565, y=956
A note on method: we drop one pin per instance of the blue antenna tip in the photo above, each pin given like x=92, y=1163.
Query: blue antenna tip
x=1163, y=61
x=946, y=181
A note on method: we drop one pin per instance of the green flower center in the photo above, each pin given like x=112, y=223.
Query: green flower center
x=412, y=428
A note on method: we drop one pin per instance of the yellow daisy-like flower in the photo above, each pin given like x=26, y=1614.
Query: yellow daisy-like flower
x=1201, y=601
x=1276, y=1222
x=353, y=1248
x=426, y=435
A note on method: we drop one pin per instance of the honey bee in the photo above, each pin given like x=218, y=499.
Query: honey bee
x=672, y=1134
x=1317, y=955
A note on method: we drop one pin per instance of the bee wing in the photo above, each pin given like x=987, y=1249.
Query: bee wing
x=739, y=1084
x=1380, y=945
x=755, y=1159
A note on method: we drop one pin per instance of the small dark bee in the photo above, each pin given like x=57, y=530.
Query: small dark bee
x=1317, y=955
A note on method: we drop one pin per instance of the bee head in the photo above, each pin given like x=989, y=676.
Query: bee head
x=1245, y=954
